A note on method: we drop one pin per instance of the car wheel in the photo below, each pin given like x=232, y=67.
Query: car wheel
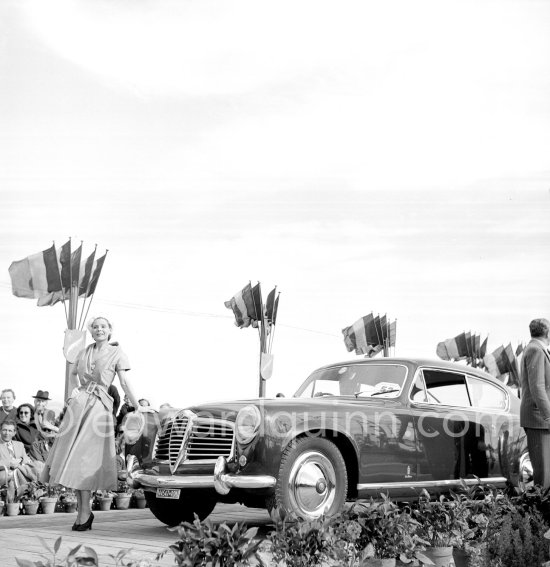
x=173, y=512
x=312, y=480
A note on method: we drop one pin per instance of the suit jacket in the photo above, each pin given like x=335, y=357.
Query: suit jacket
x=20, y=453
x=535, y=386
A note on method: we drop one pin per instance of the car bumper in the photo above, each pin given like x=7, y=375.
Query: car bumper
x=221, y=480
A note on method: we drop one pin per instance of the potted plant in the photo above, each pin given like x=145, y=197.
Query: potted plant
x=139, y=498
x=48, y=502
x=29, y=495
x=123, y=496
x=104, y=499
x=391, y=533
x=13, y=506
x=442, y=524
x=69, y=501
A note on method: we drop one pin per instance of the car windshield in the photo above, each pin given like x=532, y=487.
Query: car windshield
x=372, y=380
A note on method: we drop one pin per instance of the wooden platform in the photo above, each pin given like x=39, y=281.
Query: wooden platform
x=20, y=536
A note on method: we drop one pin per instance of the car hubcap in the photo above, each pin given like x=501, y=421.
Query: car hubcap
x=312, y=484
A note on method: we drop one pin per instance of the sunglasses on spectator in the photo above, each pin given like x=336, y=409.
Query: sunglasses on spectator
x=24, y=413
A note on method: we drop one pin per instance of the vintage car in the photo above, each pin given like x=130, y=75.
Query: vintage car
x=352, y=430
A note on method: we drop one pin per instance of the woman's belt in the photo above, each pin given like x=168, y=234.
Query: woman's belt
x=98, y=390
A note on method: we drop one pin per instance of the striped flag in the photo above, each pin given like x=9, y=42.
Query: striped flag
x=36, y=276
x=242, y=305
x=359, y=337
x=392, y=333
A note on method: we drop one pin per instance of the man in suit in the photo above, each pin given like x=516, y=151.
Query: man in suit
x=535, y=400
x=14, y=461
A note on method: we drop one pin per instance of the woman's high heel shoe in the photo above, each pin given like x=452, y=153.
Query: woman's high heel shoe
x=87, y=525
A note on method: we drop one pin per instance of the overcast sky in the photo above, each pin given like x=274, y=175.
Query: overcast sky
x=391, y=157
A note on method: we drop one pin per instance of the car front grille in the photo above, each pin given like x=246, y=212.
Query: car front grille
x=202, y=439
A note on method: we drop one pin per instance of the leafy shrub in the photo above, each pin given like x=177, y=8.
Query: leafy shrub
x=201, y=544
x=300, y=543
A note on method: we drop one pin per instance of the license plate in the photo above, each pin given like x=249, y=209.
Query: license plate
x=171, y=493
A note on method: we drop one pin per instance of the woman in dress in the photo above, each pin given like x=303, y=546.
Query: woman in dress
x=83, y=454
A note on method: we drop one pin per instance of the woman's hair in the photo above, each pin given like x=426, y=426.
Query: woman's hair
x=25, y=405
x=91, y=322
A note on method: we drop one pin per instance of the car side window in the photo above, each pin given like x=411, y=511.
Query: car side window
x=418, y=390
x=486, y=395
x=446, y=388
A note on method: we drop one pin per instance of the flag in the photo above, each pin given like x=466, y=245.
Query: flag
x=85, y=279
x=461, y=345
x=483, y=348
x=242, y=305
x=258, y=307
x=96, y=274
x=35, y=276
x=441, y=351
x=519, y=350
x=65, y=261
x=89, y=275
x=76, y=256
x=271, y=306
x=448, y=349
x=378, y=330
x=468, y=339
x=512, y=366
x=384, y=325
x=392, y=333
x=477, y=346
x=370, y=329
x=495, y=362
x=358, y=337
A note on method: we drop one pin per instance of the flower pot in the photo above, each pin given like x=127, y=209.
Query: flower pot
x=123, y=501
x=31, y=508
x=70, y=506
x=47, y=504
x=441, y=556
x=12, y=509
x=140, y=502
x=105, y=504
x=461, y=557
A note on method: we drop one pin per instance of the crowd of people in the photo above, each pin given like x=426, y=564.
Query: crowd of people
x=28, y=431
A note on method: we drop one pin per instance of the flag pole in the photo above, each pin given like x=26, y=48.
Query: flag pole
x=261, y=323
x=70, y=321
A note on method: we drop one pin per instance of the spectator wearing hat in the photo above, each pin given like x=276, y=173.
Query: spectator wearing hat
x=8, y=411
x=44, y=418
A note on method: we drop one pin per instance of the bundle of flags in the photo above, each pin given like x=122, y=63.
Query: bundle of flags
x=370, y=335
x=464, y=346
x=504, y=361
x=51, y=276
x=250, y=311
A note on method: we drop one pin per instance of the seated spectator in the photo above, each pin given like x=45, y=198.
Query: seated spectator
x=14, y=461
x=44, y=418
x=125, y=408
x=9, y=411
x=143, y=402
x=28, y=434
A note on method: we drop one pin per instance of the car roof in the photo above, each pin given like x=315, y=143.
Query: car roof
x=443, y=364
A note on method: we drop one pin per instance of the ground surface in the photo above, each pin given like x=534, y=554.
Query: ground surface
x=20, y=536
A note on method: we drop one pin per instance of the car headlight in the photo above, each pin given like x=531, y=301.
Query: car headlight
x=247, y=424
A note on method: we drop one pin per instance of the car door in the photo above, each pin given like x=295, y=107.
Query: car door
x=441, y=409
